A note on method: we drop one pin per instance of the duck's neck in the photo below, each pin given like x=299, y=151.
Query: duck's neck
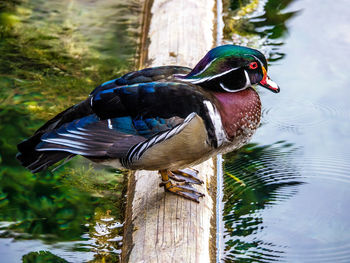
x=240, y=111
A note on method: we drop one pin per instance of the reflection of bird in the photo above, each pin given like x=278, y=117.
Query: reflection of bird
x=163, y=118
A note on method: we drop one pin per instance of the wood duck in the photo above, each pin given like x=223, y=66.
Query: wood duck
x=163, y=118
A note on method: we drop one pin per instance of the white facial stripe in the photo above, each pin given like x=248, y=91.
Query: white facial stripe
x=196, y=81
x=223, y=73
x=205, y=68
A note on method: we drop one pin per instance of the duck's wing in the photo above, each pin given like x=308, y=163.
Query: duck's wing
x=153, y=99
x=27, y=153
x=90, y=137
x=83, y=109
x=122, y=118
x=93, y=137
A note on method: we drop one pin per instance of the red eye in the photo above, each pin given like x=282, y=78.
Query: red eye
x=253, y=65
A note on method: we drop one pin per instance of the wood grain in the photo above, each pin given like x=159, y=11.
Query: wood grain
x=160, y=226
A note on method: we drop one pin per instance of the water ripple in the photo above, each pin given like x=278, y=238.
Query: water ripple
x=259, y=178
x=293, y=119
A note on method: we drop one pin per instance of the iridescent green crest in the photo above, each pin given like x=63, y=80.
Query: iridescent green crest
x=224, y=59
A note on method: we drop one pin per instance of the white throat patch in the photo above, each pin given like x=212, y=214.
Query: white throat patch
x=231, y=90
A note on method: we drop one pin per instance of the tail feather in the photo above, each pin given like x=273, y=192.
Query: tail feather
x=37, y=161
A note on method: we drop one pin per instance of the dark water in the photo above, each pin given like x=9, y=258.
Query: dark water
x=287, y=194
x=52, y=54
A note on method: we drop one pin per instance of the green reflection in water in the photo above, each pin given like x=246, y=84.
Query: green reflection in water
x=267, y=177
x=258, y=24
x=58, y=50
x=52, y=54
x=42, y=257
x=256, y=177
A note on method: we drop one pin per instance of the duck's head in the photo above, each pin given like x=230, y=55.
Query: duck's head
x=231, y=68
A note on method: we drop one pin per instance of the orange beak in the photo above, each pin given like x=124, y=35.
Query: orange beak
x=266, y=82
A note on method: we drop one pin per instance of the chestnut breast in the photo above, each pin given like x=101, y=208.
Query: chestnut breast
x=240, y=112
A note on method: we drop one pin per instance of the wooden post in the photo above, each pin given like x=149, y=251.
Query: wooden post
x=160, y=226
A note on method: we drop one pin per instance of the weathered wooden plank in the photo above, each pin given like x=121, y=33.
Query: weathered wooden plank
x=162, y=227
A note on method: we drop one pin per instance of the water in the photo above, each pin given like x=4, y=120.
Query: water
x=287, y=193
x=52, y=54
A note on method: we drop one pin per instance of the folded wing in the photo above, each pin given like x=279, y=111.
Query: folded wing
x=113, y=121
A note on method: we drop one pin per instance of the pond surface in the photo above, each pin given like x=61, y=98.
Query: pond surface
x=52, y=54
x=287, y=194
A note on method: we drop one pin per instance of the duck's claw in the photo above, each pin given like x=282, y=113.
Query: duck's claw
x=187, y=175
x=183, y=188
